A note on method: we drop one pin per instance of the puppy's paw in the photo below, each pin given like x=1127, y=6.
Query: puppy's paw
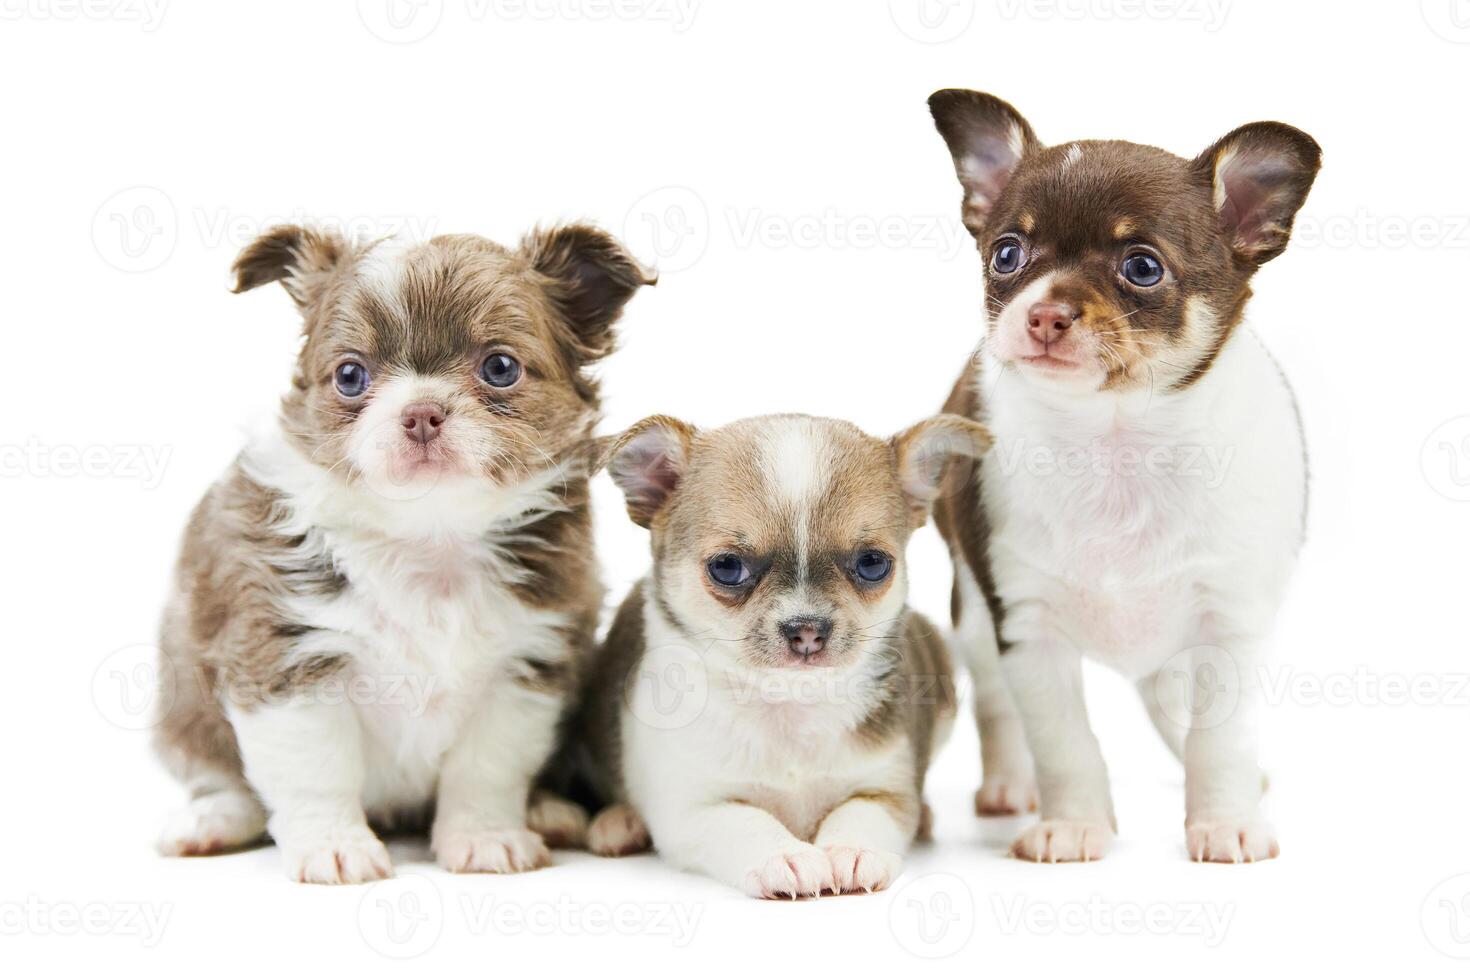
x=800, y=871
x=560, y=822
x=213, y=824
x=861, y=869
x=1231, y=841
x=504, y=851
x=348, y=857
x=617, y=830
x=1004, y=794
x=1051, y=841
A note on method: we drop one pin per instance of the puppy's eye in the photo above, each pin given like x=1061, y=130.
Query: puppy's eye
x=1009, y=256
x=351, y=379
x=872, y=566
x=1142, y=269
x=728, y=570
x=500, y=370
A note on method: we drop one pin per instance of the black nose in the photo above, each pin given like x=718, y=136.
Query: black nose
x=806, y=635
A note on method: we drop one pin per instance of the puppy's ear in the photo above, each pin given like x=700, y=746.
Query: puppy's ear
x=590, y=275
x=923, y=453
x=987, y=138
x=1260, y=175
x=646, y=462
x=301, y=259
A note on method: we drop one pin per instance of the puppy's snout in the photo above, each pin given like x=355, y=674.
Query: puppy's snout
x=422, y=421
x=1046, y=322
x=806, y=636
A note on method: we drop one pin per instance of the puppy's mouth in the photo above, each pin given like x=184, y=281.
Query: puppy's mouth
x=1049, y=362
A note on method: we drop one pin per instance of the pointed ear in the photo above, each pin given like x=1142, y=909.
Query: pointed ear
x=591, y=275
x=1260, y=175
x=987, y=138
x=301, y=259
x=646, y=462
x=924, y=451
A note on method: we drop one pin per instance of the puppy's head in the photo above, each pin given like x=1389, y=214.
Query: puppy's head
x=1111, y=265
x=780, y=540
x=451, y=359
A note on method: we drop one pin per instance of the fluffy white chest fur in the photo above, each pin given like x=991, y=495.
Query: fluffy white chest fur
x=427, y=617
x=1138, y=524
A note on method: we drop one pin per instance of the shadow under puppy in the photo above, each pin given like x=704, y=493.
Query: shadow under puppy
x=381, y=606
x=766, y=705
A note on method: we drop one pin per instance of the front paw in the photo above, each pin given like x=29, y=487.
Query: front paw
x=1052, y=841
x=801, y=870
x=349, y=857
x=1004, y=794
x=1231, y=841
x=616, y=831
x=861, y=869
x=503, y=851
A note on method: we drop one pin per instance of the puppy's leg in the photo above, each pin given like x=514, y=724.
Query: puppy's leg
x=744, y=846
x=304, y=758
x=1222, y=775
x=485, y=783
x=865, y=838
x=1008, y=779
x=222, y=814
x=1076, y=807
x=1167, y=700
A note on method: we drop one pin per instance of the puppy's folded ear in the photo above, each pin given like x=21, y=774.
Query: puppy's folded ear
x=301, y=259
x=1260, y=175
x=590, y=276
x=987, y=137
x=646, y=462
x=923, y=453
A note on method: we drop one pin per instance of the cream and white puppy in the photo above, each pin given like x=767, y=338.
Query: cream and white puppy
x=765, y=705
x=1145, y=500
x=381, y=607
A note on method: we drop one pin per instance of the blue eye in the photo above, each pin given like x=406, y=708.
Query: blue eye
x=500, y=370
x=728, y=570
x=351, y=379
x=873, y=566
x=1142, y=269
x=1009, y=256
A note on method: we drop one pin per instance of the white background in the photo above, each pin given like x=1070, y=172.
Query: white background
x=769, y=144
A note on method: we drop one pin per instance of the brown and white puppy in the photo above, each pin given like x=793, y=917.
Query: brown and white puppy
x=1145, y=500
x=381, y=607
x=766, y=705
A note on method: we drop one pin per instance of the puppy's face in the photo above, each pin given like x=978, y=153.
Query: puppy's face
x=452, y=359
x=780, y=540
x=1111, y=265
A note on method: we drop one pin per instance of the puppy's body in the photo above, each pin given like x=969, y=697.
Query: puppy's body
x=374, y=624
x=779, y=759
x=1146, y=497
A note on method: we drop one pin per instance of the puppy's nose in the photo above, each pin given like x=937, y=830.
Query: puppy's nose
x=1048, y=321
x=422, y=421
x=806, y=636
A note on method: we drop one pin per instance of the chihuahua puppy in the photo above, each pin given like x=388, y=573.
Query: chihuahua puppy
x=1145, y=501
x=381, y=607
x=765, y=705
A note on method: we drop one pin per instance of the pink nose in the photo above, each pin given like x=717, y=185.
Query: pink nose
x=422, y=421
x=806, y=637
x=1046, y=322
